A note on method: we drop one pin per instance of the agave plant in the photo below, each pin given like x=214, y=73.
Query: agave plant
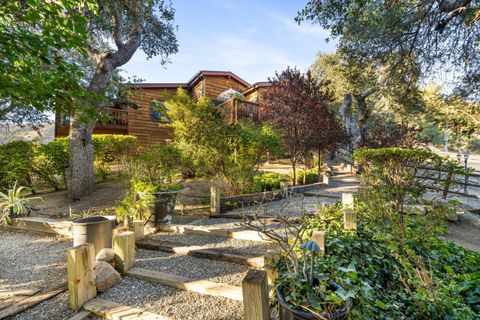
x=13, y=204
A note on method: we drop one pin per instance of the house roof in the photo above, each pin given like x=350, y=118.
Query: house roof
x=203, y=73
x=159, y=85
x=192, y=81
x=256, y=85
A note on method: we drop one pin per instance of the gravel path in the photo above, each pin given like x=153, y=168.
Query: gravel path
x=173, y=303
x=191, y=267
x=248, y=248
x=31, y=261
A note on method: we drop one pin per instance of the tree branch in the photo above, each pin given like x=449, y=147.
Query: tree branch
x=117, y=23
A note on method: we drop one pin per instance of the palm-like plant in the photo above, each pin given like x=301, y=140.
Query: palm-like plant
x=13, y=203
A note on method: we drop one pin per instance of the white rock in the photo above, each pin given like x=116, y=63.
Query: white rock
x=106, y=254
x=104, y=276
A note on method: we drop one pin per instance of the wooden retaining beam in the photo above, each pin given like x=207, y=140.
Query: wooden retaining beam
x=203, y=231
x=114, y=311
x=29, y=302
x=255, y=295
x=199, y=286
x=41, y=225
x=80, y=269
x=199, y=252
x=81, y=315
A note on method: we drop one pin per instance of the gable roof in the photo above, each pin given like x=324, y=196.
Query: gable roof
x=204, y=73
x=256, y=85
x=192, y=81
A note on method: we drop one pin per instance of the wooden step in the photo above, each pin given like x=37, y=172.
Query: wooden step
x=323, y=195
x=114, y=311
x=199, y=286
x=199, y=252
x=250, y=235
x=28, y=302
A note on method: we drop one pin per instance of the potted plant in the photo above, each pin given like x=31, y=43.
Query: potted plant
x=152, y=192
x=301, y=294
x=307, y=289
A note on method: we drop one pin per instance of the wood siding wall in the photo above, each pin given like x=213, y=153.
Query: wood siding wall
x=218, y=84
x=149, y=132
x=256, y=95
x=62, y=131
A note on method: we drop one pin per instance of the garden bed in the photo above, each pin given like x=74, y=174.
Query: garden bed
x=244, y=200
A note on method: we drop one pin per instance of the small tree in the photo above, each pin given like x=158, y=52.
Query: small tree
x=297, y=106
x=129, y=26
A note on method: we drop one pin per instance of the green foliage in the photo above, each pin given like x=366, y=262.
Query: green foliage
x=34, y=72
x=249, y=144
x=423, y=277
x=43, y=164
x=138, y=201
x=50, y=162
x=396, y=173
x=153, y=170
x=111, y=149
x=267, y=181
x=13, y=204
x=210, y=147
x=16, y=164
x=310, y=176
x=156, y=166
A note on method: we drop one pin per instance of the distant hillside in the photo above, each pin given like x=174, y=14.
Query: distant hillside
x=13, y=132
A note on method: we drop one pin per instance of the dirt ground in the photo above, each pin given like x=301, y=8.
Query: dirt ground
x=57, y=205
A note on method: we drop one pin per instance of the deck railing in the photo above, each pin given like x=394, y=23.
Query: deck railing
x=113, y=118
x=235, y=109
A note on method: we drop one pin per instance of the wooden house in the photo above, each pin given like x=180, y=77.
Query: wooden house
x=145, y=121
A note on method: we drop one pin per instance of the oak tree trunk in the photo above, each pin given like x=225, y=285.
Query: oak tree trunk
x=80, y=165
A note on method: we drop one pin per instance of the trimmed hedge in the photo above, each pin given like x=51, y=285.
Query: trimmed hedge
x=311, y=176
x=45, y=164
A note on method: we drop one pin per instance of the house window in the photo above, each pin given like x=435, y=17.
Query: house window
x=203, y=88
x=158, y=111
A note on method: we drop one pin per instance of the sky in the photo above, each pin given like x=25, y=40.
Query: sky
x=251, y=38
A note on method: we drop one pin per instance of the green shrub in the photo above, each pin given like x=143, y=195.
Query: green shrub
x=16, y=164
x=267, y=181
x=51, y=160
x=310, y=175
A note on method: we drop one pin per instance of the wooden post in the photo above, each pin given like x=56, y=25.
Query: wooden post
x=319, y=238
x=284, y=188
x=350, y=220
x=138, y=229
x=124, y=248
x=255, y=295
x=80, y=265
x=349, y=167
x=347, y=200
x=214, y=200
x=271, y=256
x=325, y=178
